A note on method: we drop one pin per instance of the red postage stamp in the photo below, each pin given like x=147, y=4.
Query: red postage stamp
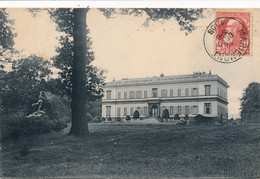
x=232, y=36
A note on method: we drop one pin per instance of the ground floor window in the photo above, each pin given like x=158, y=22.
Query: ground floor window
x=179, y=109
x=108, y=111
x=125, y=111
x=194, y=109
x=131, y=111
x=207, y=108
x=145, y=111
x=187, y=110
x=171, y=110
x=118, y=111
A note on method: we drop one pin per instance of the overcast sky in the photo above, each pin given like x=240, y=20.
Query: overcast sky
x=127, y=49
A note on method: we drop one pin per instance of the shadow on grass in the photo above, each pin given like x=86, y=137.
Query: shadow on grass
x=118, y=150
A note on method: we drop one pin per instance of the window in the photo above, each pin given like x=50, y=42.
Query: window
x=194, y=92
x=207, y=108
x=207, y=90
x=179, y=109
x=131, y=111
x=179, y=92
x=155, y=92
x=186, y=92
x=164, y=93
x=125, y=94
x=171, y=93
x=145, y=94
x=108, y=111
x=171, y=110
x=138, y=94
x=194, y=109
x=119, y=95
x=187, y=110
x=132, y=94
x=109, y=94
x=118, y=112
x=145, y=111
x=125, y=111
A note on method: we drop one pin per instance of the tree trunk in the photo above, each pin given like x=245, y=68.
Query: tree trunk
x=78, y=104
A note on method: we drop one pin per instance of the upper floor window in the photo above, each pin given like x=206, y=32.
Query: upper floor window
x=109, y=94
x=145, y=94
x=194, y=92
x=125, y=94
x=164, y=93
x=207, y=108
x=186, y=92
x=155, y=92
x=119, y=95
x=207, y=90
x=171, y=93
x=138, y=94
x=179, y=92
x=132, y=94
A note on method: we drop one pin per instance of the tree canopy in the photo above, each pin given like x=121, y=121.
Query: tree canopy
x=64, y=60
x=6, y=37
x=250, y=101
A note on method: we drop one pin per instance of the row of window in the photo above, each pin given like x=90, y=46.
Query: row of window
x=222, y=93
x=164, y=93
x=143, y=111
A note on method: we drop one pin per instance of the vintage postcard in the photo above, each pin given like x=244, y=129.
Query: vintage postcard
x=130, y=92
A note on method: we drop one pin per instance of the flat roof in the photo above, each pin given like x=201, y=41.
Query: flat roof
x=195, y=77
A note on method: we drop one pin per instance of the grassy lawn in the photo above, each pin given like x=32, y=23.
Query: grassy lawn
x=128, y=150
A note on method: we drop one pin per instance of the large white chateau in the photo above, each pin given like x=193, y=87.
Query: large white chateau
x=192, y=94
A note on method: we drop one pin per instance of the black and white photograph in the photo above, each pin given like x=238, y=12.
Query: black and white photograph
x=123, y=92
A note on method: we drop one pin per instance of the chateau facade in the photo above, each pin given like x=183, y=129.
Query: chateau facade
x=193, y=94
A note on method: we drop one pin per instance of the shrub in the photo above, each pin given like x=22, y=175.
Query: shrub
x=136, y=114
x=118, y=119
x=109, y=119
x=103, y=119
x=128, y=118
x=165, y=114
x=16, y=125
x=176, y=117
x=96, y=120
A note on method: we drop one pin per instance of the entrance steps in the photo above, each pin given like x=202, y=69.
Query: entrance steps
x=150, y=120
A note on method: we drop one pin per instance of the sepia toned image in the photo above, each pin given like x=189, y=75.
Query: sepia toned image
x=129, y=92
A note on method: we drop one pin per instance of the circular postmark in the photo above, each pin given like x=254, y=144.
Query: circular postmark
x=226, y=39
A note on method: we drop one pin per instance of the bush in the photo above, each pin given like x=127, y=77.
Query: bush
x=118, y=119
x=128, y=118
x=16, y=125
x=136, y=114
x=166, y=114
x=96, y=120
x=103, y=119
x=176, y=117
x=109, y=119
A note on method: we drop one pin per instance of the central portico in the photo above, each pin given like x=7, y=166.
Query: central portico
x=154, y=107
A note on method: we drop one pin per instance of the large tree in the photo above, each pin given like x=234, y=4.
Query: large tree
x=250, y=103
x=6, y=37
x=73, y=23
